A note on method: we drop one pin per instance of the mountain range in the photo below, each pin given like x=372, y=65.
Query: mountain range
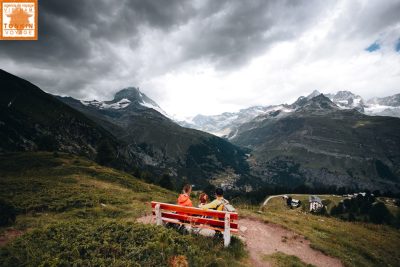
x=130, y=130
x=319, y=140
x=225, y=124
x=320, y=143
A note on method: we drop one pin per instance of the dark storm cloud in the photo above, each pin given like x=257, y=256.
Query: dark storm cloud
x=232, y=32
x=96, y=45
x=367, y=19
x=75, y=38
x=69, y=30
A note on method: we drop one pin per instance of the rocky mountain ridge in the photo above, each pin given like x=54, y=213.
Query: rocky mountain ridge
x=162, y=145
x=226, y=124
x=321, y=144
x=27, y=125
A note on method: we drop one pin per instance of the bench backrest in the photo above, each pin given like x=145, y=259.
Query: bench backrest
x=196, y=216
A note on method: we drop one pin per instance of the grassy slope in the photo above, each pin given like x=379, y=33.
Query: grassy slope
x=355, y=244
x=75, y=211
x=280, y=259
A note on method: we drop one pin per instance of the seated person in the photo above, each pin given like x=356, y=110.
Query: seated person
x=203, y=198
x=184, y=198
x=218, y=202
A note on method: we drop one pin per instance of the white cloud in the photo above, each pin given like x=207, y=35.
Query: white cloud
x=327, y=57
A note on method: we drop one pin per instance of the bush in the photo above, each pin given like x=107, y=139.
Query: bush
x=380, y=214
x=166, y=182
x=336, y=210
x=7, y=213
x=352, y=218
x=106, y=153
x=46, y=143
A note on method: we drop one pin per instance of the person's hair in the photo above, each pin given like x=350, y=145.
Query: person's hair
x=219, y=192
x=186, y=188
x=203, y=198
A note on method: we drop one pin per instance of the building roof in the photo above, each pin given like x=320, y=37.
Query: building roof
x=315, y=199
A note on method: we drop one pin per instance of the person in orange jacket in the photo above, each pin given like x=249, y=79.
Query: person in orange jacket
x=184, y=198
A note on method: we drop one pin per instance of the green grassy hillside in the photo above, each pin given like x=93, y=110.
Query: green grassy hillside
x=73, y=211
x=354, y=243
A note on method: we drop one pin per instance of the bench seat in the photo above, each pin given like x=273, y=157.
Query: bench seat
x=222, y=221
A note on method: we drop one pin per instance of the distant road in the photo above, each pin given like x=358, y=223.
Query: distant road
x=270, y=197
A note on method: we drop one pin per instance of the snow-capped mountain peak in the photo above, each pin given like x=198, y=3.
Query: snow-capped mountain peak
x=313, y=94
x=227, y=123
x=392, y=101
x=125, y=98
x=123, y=103
x=347, y=100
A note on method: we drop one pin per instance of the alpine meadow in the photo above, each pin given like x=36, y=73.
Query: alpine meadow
x=199, y=133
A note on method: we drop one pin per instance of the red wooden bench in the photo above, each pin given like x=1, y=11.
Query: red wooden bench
x=223, y=221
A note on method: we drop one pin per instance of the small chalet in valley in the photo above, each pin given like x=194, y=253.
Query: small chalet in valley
x=315, y=204
x=291, y=202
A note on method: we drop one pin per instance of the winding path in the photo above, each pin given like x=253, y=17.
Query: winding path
x=271, y=197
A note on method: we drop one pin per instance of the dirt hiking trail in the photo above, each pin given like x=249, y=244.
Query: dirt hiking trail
x=263, y=239
x=267, y=238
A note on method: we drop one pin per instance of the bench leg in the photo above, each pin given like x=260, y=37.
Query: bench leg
x=158, y=215
x=227, y=230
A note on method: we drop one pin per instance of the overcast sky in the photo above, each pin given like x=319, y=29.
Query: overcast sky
x=211, y=56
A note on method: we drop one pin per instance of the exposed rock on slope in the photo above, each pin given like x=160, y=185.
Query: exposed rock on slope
x=322, y=144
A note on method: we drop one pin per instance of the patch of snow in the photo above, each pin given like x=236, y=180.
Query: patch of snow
x=382, y=110
x=287, y=110
x=376, y=108
x=156, y=108
x=356, y=102
x=123, y=103
x=234, y=135
x=223, y=132
x=91, y=103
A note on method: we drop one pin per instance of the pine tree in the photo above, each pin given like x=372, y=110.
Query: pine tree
x=106, y=153
x=379, y=213
x=166, y=182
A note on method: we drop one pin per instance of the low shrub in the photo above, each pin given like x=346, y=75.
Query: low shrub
x=7, y=213
x=79, y=243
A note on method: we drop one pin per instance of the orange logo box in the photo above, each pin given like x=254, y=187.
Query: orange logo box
x=19, y=19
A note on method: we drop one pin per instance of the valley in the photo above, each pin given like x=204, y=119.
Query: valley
x=70, y=210
x=316, y=142
x=199, y=133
